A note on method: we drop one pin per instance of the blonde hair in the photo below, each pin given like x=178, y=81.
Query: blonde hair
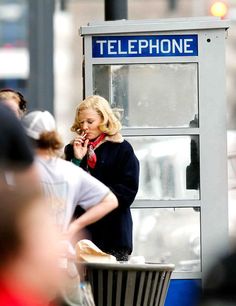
x=110, y=124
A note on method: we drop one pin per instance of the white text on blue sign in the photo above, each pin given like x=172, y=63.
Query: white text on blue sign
x=145, y=46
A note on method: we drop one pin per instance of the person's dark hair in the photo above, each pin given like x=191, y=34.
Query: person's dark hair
x=49, y=140
x=8, y=93
x=14, y=204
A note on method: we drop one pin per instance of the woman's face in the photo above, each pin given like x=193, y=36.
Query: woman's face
x=89, y=121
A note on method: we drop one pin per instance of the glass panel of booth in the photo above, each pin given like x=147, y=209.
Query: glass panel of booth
x=169, y=167
x=150, y=95
x=166, y=235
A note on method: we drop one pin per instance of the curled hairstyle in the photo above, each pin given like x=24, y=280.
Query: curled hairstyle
x=110, y=124
x=49, y=140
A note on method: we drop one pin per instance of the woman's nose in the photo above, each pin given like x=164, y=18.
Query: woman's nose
x=85, y=126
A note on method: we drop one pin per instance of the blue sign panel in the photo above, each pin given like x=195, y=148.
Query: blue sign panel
x=183, y=292
x=145, y=46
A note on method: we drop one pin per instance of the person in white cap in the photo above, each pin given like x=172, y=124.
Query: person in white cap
x=66, y=184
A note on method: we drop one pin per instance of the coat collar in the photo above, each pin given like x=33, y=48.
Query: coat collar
x=117, y=138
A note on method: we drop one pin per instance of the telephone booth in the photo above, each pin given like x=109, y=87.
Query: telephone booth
x=166, y=78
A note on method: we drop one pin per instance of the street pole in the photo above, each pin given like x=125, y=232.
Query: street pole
x=41, y=80
x=116, y=9
x=172, y=5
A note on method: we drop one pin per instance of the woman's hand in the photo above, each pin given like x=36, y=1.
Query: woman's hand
x=80, y=146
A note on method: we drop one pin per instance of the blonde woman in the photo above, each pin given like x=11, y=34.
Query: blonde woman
x=100, y=149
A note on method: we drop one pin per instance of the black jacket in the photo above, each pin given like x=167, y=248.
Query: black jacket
x=118, y=168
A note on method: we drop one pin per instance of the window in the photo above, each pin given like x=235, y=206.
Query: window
x=169, y=167
x=151, y=95
x=167, y=235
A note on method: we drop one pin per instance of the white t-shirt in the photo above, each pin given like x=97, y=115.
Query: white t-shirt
x=70, y=186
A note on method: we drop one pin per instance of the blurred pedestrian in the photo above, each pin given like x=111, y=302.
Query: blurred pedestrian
x=14, y=100
x=220, y=283
x=16, y=155
x=64, y=181
x=100, y=149
x=29, y=256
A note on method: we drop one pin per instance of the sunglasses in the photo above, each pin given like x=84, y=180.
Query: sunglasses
x=22, y=103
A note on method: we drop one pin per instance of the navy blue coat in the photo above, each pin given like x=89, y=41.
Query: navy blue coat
x=118, y=168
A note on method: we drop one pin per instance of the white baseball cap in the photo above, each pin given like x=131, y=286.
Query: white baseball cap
x=38, y=122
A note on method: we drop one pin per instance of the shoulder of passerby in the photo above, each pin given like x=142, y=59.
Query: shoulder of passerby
x=90, y=191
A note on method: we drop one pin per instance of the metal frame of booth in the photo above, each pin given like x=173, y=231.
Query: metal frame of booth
x=211, y=33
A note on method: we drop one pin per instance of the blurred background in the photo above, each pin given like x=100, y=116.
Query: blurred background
x=17, y=19
x=41, y=56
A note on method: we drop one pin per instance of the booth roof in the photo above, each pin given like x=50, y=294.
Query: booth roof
x=148, y=26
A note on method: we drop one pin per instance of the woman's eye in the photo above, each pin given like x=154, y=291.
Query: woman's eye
x=90, y=122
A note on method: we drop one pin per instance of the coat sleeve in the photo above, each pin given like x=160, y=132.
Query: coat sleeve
x=127, y=188
x=69, y=152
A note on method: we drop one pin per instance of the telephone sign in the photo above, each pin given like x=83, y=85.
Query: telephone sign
x=145, y=46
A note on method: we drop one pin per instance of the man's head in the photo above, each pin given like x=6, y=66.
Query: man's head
x=14, y=100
